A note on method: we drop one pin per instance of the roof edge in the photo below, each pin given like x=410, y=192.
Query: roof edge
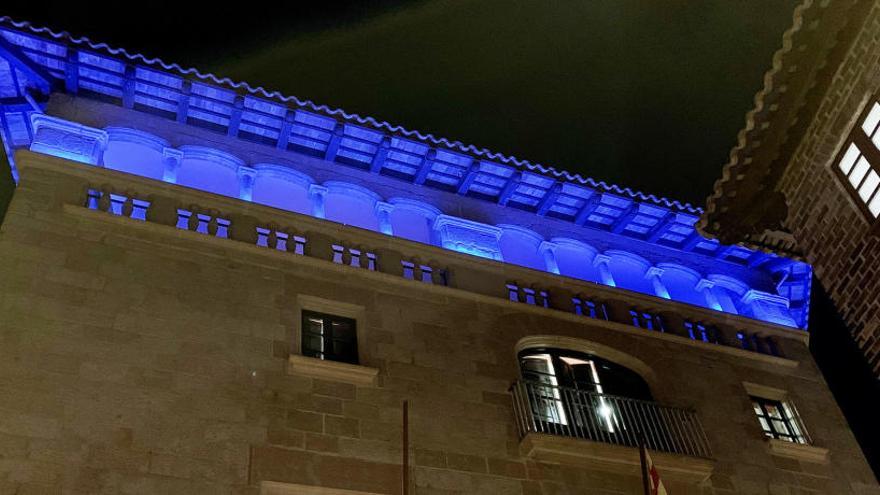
x=706, y=224
x=277, y=96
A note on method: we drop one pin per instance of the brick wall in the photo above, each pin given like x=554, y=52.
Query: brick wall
x=137, y=358
x=827, y=223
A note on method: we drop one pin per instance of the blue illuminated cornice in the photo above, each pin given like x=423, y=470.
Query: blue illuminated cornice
x=77, y=66
x=53, y=56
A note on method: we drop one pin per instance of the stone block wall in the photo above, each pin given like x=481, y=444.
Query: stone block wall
x=840, y=243
x=138, y=358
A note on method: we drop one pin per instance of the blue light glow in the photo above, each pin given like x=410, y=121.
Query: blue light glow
x=621, y=221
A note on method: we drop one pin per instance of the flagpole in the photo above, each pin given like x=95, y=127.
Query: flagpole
x=644, y=462
x=405, y=449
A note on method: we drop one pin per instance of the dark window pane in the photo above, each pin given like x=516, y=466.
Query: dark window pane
x=344, y=331
x=315, y=326
x=312, y=344
x=329, y=337
x=344, y=351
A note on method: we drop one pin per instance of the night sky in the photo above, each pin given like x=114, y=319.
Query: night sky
x=642, y=93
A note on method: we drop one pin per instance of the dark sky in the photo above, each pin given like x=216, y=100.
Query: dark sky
x=641, y=93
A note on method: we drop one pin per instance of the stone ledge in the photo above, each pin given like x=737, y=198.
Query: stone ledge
x=613, y=458
x=331, y=370
x=277, y=488
x=441, y=291
x=799, y=451
x=462, y=261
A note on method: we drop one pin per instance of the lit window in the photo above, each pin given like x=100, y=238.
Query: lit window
x=859, y=162
x=779, y=420
x=329, y=337
x=566, y=387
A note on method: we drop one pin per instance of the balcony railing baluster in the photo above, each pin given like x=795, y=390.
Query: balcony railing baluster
x=566, y=411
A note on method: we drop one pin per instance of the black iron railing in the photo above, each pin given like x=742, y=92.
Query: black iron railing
x=554, y=410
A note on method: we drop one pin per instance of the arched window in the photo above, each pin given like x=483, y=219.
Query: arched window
x=582, y=371
x=577, y=394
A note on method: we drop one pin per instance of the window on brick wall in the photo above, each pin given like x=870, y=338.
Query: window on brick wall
x=329, y=337
x=858, y=164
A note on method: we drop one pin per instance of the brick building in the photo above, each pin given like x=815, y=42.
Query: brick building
x=210, y=288
x=805, y=169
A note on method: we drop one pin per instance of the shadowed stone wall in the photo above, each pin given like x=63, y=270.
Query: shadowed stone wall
x=140, y=358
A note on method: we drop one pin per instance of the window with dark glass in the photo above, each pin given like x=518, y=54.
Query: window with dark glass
x=329, y=337
x=778, y=420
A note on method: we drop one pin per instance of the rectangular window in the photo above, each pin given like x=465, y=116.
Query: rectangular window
x=857, y=166
x=329, y=337
x=778, y=420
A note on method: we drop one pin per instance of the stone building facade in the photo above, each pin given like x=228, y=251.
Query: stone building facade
x=213, y=289
x=817, y=96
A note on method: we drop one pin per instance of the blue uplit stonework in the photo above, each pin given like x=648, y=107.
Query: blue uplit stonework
x=374, y=175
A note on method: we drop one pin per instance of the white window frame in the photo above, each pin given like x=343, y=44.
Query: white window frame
x=857, y=165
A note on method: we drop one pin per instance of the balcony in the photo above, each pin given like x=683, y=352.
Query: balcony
x=563, y=424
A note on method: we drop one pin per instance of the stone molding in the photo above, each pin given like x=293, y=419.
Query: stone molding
x=799, y=451
x=278, y=488
x=331, y=370
x=765, y=392
x=40, y=164
x=442, y=291
x=613, y=458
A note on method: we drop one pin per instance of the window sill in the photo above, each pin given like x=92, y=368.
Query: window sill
x=331, y=370
x=276, y=488
x=613, y=458
x=801, y=452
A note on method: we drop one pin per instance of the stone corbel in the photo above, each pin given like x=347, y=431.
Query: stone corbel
x=653, y=274
x=383, y=214
x=705, y=286
x=768, y=307
x=171, y=158
x=547, y=249
x=246, y=177
x=317, y=195
x=601, y=263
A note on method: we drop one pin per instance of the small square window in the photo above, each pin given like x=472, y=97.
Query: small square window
x=329, y=337
x=778, y=420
